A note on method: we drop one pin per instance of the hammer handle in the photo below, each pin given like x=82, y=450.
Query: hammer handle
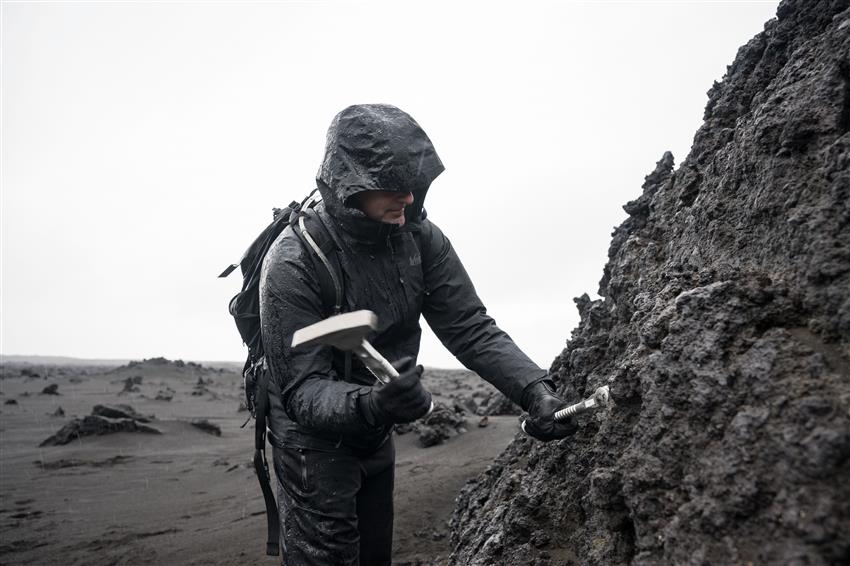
x=567, y=412
x=375, y=362
x=579, y=407
x=598, y=399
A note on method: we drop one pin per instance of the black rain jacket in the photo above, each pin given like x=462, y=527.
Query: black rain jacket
x=397, y=272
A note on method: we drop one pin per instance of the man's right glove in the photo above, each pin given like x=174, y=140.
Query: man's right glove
x=542, y=403
x=402, y=400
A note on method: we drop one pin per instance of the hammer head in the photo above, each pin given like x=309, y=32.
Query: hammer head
x=602, y=396
x=343, y=331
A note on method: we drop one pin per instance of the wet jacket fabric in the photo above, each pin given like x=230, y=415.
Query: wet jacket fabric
x=397, y=272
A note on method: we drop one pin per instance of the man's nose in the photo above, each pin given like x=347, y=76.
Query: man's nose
x=406, y=198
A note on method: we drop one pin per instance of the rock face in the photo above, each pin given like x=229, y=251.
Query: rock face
x=724, y=332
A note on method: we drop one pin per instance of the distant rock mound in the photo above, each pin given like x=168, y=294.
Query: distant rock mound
x=103, y=420
x=160, y=363
x=92, y=425
x=120, y=412
x=166, y=394
x=207, y=427
x=52, y=389
x=64, y=463
x=724, y=333
x=131, y=384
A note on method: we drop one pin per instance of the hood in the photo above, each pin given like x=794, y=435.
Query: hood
x=372, y=147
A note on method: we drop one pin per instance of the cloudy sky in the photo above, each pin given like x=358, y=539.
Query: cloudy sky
x=145, y=143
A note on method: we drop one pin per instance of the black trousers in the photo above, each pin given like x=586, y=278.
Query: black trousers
x=336, y=507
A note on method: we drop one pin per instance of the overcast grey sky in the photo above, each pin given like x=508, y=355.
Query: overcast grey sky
x=144, y=145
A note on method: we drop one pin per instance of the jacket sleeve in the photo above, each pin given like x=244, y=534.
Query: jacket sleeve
x=290, y=299
x=459, y=319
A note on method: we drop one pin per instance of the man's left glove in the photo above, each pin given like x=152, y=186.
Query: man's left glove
x=541, y=403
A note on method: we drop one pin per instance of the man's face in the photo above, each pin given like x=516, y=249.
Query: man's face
x=384, y=206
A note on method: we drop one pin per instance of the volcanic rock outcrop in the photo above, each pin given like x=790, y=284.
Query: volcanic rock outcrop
x=724, y=334
x=103, y=419
x=94, y=425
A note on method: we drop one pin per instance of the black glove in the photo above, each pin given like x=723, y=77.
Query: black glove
x=402, y=400
x=542, y=403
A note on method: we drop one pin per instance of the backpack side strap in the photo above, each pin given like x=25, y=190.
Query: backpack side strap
x=261, y=466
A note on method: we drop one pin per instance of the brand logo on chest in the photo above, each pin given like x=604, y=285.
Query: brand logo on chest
x=415, y=259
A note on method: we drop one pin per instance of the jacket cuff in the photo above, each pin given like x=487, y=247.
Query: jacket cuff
x=530, y=390
x=367, y=410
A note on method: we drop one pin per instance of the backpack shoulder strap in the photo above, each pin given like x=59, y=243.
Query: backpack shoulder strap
x=316, y=234
x=319, y=236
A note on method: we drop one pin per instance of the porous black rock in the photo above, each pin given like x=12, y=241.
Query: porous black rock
x=724, y=332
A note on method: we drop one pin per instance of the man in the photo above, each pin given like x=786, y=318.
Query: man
x=330, y=423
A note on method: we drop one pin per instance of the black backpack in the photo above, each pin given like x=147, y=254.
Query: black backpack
x=245, y=309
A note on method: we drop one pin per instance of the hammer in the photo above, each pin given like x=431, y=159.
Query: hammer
x=347, y=332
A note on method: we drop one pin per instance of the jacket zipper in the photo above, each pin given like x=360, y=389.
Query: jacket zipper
x=304, y=484
x=400, y=310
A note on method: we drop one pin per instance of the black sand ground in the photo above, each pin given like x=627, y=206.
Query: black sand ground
x=186, y=496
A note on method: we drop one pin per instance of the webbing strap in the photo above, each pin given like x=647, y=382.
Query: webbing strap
x=332, y=271
x=326, y=262
x=261, y=465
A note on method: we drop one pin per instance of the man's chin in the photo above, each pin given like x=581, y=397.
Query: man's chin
x=393, y=219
